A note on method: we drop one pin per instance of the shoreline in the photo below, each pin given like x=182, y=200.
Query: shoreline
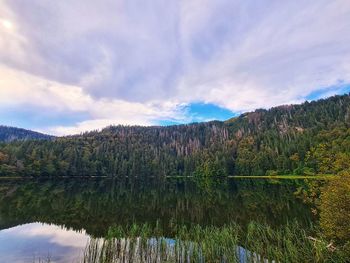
x=290, y=177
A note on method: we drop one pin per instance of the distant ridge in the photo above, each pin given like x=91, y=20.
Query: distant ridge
x=9, y=134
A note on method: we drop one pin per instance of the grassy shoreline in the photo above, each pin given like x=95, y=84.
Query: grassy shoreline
x=320, y=177
x=290, y=177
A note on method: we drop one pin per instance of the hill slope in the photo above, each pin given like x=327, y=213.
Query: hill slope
x=310, y=138
x=8, y=134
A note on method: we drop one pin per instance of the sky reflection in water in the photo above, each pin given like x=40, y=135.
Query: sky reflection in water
x=30, y=242
x=91, y=206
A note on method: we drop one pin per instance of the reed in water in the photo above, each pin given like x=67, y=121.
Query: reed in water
x=257, y=243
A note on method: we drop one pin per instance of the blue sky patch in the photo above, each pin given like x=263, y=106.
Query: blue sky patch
x=329, y=91
x=199, y=112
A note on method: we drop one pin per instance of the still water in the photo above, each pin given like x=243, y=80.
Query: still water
x=55, y=219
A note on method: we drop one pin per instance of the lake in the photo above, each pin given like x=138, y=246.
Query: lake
x=54, y=219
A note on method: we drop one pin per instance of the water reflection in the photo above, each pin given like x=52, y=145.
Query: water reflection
x=37, y=241
x=94, y=205
x=56, y=218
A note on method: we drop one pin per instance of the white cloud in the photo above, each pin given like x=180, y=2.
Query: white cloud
x=104, y=113
x=294, y=48
x=20, y=89
x=131, y=63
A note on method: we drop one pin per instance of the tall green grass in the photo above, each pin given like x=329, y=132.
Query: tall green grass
x=231, y=243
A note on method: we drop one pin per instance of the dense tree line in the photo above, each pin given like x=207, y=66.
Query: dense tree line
x=310, y=138
x=301, y=139
x=119, y=150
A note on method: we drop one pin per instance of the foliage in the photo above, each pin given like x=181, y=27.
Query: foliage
x=335, y=208
x=310, y=138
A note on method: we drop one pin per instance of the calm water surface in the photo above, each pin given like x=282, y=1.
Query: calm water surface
x=55, y=219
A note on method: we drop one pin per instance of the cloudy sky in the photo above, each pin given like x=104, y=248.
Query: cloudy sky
x=69, y=66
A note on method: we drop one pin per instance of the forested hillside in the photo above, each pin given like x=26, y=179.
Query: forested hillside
x=8, y=134
x=311, y=138
x=302, y=139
